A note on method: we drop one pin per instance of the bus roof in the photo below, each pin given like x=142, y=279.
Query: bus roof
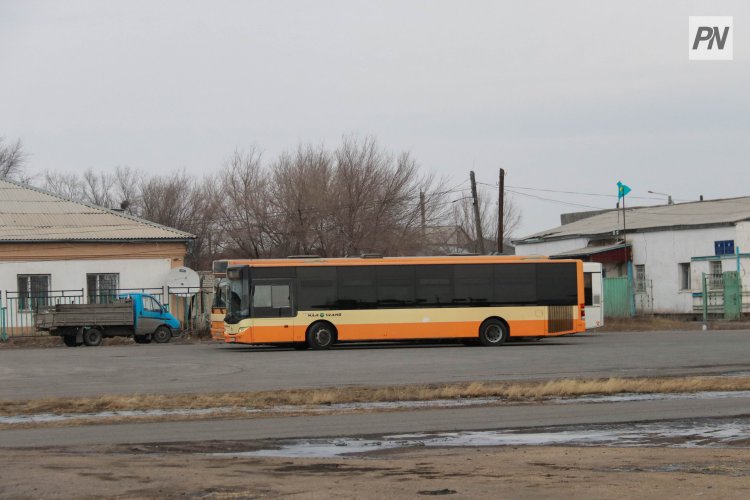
x=375, y=261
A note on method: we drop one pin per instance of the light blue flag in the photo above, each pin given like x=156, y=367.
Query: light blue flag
x=622, y=190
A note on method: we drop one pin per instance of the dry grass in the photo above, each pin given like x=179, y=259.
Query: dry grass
x=509, y=391
x=660, y=323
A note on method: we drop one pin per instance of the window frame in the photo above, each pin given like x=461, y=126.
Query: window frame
x=685, y=276
x=98, y=297
x=27, y=302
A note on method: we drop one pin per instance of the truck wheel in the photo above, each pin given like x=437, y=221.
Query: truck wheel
x=70, y=341
x=162, y=335
x=142, y=339
x=92, y=337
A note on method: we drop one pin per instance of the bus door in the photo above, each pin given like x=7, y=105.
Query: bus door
x=273, y=310
x=592, y=285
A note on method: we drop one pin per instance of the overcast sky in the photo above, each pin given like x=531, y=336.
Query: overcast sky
x=569, y=96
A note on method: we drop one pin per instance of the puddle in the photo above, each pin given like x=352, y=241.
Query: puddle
x=618, y=398
x=683, y=433
x=52, y=417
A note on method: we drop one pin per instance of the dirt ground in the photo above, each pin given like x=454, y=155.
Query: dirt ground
x=188, y=471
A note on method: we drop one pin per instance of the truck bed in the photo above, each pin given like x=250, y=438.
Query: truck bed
x=76, y=315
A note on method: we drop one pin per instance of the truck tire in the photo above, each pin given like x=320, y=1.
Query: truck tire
x=70, y=341
x=92, y=337
x=162, y=335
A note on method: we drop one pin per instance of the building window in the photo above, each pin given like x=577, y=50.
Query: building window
x=715, y=278
x=33, y=291
x=102, y=288
x=640, y=278
x=685, y=276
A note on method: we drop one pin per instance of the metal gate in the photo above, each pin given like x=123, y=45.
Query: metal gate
x=644, y=297
x=617, y=293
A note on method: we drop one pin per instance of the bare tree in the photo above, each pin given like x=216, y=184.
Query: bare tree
x=300, y=194
x=97, y=188
x=63, y=184
x=12, y=160
x=179, y=200
x=376, y=199
x=242, y=207
x=126, y=187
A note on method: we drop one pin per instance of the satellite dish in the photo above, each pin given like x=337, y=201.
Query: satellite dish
x=183, y=282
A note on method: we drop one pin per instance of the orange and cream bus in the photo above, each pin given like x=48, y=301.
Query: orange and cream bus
x=219, y=306
x=318, y=302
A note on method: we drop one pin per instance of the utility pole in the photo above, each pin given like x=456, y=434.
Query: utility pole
x=477, y=219
x=424, y=217
x=500, y=212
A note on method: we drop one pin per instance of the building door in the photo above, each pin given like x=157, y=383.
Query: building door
x=592, y=286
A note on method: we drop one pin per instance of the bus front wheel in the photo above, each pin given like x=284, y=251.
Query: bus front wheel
x=321, y=336
x=493, y=332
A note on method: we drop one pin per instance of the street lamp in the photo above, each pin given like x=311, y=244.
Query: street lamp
x=669, y=197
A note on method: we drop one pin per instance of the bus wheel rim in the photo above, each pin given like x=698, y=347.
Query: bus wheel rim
x=323, y=336
x=493, y=333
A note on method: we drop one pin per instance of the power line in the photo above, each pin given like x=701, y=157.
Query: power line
x=579, y=192
x=552, y=200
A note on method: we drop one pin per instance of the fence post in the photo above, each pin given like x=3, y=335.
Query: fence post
x=3, y=333
x=704, y=290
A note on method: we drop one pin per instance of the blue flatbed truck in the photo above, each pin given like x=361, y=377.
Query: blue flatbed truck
x=136, y=315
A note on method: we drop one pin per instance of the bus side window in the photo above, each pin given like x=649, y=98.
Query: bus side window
x=395, y=286
x=262, y=296
x=356, y=287
x=472, y=284
x=434, y=287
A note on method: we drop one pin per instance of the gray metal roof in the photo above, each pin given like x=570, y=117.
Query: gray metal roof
x=695, y=214
x=31, y=214
x=587, y=251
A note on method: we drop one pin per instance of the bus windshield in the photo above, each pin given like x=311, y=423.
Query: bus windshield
x=220, y=294
x=238, y=305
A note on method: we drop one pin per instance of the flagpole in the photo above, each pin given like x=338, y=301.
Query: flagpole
x=624, y=231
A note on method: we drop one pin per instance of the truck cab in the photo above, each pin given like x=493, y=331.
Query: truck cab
x=151, y=319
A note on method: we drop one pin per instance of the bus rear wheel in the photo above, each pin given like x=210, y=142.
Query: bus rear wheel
x=493, y=332
x=321, y=336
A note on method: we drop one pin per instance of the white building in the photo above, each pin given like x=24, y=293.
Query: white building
x=669, y=246
x=53, y=249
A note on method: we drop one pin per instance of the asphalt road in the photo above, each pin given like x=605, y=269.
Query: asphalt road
x=82, y=371
x=503, y=417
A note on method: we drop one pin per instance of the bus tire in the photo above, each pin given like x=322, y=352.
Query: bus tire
x=321, y=335
x=92, y=337
x=493, y=332
x=162, y=335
